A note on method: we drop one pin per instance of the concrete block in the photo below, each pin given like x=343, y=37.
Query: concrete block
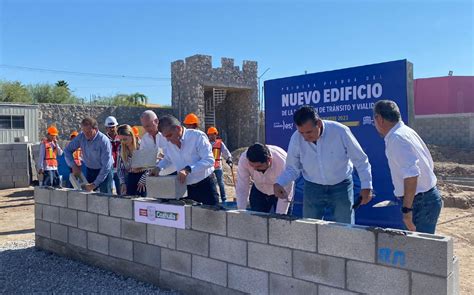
x=42, y=195
x=165, y=187
x=77, y=200
x=161, y=236
x=246, y=226
x=209, y=221
x=68, y=217
x=98, y=243
x=193, y=242
x=227, y=249
x=78, y=237
x=423, y=253
x=281, y=285
x=20, y=184
x=455, y=274
x=87, y=221
x=297, y=234
x=342, y=240
x=59, y=197
x=6, y=178
x=121, y=207
x=247, y=280
x=20, y=178
x=51, y=213
x=42, y=228
x=38, y=211
x=109, y=226
x=98, y=204
x=209, y=270
x=422, y=284
x=178, y=262
x=121, y=248
x=325, y=290
x=376, y=279
x=59, y=232
x=319, y=268
x=133, y=230
x=270, y=258
x=147, y=254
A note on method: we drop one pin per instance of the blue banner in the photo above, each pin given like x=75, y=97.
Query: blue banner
x=346, y=96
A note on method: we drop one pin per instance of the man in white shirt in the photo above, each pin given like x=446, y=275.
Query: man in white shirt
x=191, y=153
x=261, y=165
x=411, y=167
x=325, y=153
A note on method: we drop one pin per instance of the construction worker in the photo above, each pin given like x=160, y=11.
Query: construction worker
x=96, y=152
x=48, y=158
x=111, y=132
x=411, y=167
x=325, y=152
x=191, y=153
x=219, y=150
x=260, y=165
x=191, y=121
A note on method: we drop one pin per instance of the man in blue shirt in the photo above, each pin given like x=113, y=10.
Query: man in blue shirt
x=96, y=155
x=325, y=153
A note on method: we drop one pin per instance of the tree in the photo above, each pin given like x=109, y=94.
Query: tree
x=41, y=93
x=62, y=83
x=14, y=92
x=138, y=99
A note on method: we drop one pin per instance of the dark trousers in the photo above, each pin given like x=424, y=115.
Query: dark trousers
x=116, y=182
x=131, y=180
x=204, y=191
x=261, y=202
x=51, y=178
x=106, y=185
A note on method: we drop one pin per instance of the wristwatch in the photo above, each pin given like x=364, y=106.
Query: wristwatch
x=406, y=210
x=187, y=169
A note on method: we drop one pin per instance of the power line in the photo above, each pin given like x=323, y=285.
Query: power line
x=100, y=75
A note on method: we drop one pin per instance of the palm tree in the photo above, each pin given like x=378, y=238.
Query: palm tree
x=138, y=99
x=62, y=83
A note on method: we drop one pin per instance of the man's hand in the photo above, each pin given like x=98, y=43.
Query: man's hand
x=138, y=170
x=89, y=187
x=123, y=189
x=408, y=220
x=155, y=171
x=280, y=191
x=365, y=196
x=76, y=170
x=141, y=187
x=182, y=174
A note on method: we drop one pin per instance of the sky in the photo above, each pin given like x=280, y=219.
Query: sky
x=104, y=48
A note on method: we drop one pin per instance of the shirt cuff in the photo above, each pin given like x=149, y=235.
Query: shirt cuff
x=366, y=185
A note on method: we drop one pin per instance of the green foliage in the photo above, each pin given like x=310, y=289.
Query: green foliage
x=14, y=92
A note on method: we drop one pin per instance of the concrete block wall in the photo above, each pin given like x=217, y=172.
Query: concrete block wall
x=235, y=252
x=14, y=160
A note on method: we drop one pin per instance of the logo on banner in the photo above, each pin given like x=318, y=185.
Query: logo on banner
x=152, y=214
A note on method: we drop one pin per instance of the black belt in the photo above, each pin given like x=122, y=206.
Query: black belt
x=427, y=192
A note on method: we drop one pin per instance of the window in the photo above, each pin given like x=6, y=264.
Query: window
x=12, y=122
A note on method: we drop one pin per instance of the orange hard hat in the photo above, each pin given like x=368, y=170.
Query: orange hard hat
x=190, y=119
x=135, y=130
x=212, y=130
x=74, y=134
x=53, y=130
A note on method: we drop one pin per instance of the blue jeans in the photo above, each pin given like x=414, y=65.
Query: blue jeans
x=426, y=210
x=220, y=182
x=329, y=202
x=106, y=186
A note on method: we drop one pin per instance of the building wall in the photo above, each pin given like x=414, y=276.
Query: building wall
x=30, y=113
x=456, y=130
x=236, y=252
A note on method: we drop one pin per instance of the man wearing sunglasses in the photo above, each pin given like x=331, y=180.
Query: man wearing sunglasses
x=191, y=153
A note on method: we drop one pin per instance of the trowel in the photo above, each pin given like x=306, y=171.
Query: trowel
x=386, y=203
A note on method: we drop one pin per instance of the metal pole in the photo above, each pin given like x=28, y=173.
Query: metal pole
x=259, y=105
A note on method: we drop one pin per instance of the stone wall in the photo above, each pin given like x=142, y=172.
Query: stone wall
x=235, y=252
x=455, y=130
x=237, y=115
x=67, y=118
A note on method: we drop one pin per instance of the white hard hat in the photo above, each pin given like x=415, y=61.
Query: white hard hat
x=111, y=122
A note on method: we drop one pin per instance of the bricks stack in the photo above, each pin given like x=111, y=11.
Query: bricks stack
x=14, y=161
x=236, y=252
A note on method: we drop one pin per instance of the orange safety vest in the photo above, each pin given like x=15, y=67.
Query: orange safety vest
x=77, y=157
x=216, y=152
x=50, y=154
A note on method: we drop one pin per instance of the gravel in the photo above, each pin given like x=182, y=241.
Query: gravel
x=25, y=269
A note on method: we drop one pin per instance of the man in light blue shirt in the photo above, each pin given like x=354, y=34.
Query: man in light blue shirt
x=325, y=153
x=96, y=155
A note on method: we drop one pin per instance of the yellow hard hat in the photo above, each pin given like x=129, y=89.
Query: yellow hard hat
x=53, y=131
x=212, y=130
x=191, y=119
